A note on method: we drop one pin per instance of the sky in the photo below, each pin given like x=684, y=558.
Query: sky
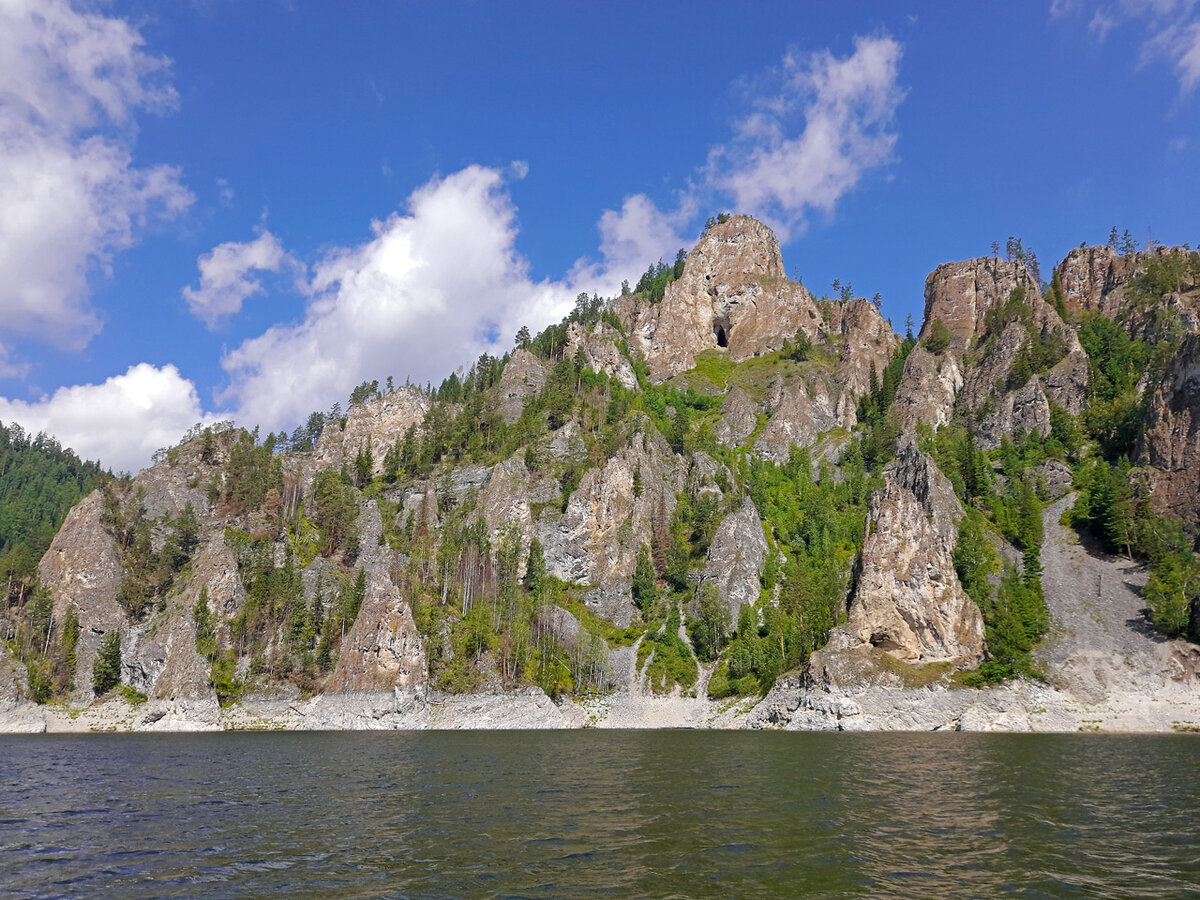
x=241, y=209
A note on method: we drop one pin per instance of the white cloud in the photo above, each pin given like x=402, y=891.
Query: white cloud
x=846, y=106
x=120, y=422
x=225, y=192
x=10, y=369
x=1178, y=44
x=430, y=290
x=632, y=238
x=69, y=85
x=225, y=280
x=1170, y=31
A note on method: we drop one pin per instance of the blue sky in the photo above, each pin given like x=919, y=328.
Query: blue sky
x=240, y=210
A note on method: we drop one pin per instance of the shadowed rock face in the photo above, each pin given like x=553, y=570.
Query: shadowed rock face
x=908, y=600
x=1170, y=446
x=733, y=294
x=736, y=557
x=522, y=378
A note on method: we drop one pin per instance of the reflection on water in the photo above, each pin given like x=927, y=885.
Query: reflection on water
x=664, y=814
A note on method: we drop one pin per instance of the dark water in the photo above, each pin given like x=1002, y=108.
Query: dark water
x=626, y=814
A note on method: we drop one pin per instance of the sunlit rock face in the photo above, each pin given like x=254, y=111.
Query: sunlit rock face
x=908, y=600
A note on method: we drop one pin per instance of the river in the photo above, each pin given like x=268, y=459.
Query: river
x=624, y=814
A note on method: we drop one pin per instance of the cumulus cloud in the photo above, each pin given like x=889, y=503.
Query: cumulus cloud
x=120, y=422
x=225, y=276
x=812, y=134
x=432, y=288
x=632, y=238
x=70, y=83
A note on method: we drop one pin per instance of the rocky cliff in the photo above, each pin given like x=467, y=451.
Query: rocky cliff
x=1170, y=443
x=734, y=294
x=564, y=550
x=908, y=600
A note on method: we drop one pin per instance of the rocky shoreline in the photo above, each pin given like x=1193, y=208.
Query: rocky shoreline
x=1020, y=706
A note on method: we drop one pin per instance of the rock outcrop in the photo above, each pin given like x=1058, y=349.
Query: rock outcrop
x=599, y=346
x=907, y=598
x=733, y=294
x=739, y=418
x=927, y=389
x=961, y=293
x=867, y=341
x=382, y=421
x=800, y=413
x=612, y=513
x=1170, y=445
x=976, y=373
x=382, y=651
x=523, y=377
x=736, y=557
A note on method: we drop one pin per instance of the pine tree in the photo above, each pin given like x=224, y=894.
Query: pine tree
x=106, y=673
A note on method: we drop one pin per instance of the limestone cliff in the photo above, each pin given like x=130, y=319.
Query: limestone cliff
x=733, y=294
x=382, y=421
x=382, y=650
x=1170, y=443
x=736, y=557
x=907, y=599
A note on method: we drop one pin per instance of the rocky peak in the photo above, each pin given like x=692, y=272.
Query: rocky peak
x=961, y=293
x=1094, y=278
x=733, y=294
x=917, y=473
x=907, y=600
x=383, y=421
x=1170, y=445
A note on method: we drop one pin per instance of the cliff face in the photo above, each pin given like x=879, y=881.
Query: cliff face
x=382, y=422
x=908, y=600
x=1170, y=443
x=989, y=338
x=733, y=294
x=592, y=480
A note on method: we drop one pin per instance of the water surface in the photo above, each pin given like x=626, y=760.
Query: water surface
x=625, y=814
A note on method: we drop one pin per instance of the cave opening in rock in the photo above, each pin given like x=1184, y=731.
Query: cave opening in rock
x=722, y=338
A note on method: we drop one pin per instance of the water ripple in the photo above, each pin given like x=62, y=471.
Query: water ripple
x=662, y=814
